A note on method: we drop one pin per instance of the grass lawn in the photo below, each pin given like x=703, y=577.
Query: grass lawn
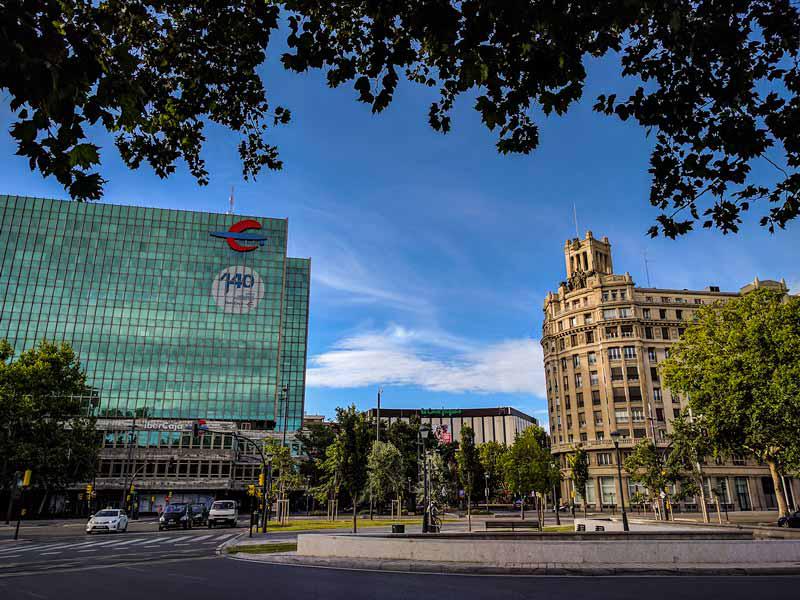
x=262, y=548
x=314, y=524
x=567, y=528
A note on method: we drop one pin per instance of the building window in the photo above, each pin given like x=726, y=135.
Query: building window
x=616, y=373
x=676, y=412
x=609, y=313
x=578, y=380
x=637, y=414
x=593, y=378
x=621, y=416
x=587, y=318
x=608, y=493
x=639, y=433
x=561, y=325
x=562, y=344
x=657, y=395
x=613, y=354
x=566, y=382
x=611, y=333
x=654, y=373
x=665, y=300
x=662, y=314
x=698, y=301
x=591, y=358
x=564, y=363
x=590, y=337
x=648, y=333
x=595, y=397
x=599, y=436
x=651, y=354
x=739, y=460
x=566, y=402
x=576, y=360
x=648, y=298
x=573, y=340
x=619, y=395
x=579, y=399
x=603, y=458
x=646, y=313
x=679, y=315
x=632, y=373
x=629, y=351
x=625, y=313
x=627, y=331
x=665, y=333
x=572, y=322
x=635, y=393
x=569, y=421
x=583, y=436
x=598, y=417
x=659, y=414
x=581, y=419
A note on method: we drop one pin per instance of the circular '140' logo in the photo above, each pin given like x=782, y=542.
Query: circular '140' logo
x=237, y=289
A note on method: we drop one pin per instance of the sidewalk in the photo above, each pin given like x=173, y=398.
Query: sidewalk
x=364, y=564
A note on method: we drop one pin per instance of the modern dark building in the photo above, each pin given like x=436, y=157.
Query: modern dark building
x=496, y=424
x=177, y=316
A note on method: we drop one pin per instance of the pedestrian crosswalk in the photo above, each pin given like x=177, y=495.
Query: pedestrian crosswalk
x=117, y=544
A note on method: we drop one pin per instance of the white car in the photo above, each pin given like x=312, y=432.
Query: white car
x=223, y=511
x=108, y=519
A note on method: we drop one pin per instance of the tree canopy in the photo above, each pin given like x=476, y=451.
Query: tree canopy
x=384, y=471
x=739, y=363
x=716, y=84
x=579, y=472
x=45, y=422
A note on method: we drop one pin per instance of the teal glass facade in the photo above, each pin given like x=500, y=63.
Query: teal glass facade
x=168, y=320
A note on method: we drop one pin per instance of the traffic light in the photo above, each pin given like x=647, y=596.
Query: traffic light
x=26, y=478
x=195, y=429
x=89, y=489
x=251, y=490
x=261, y=480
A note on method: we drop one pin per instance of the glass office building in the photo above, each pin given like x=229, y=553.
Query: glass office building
x=174, y=314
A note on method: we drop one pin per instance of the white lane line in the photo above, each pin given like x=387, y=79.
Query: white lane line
x=11, y=556
x=225, y=536
x=201, y=537
x=126, y=542
x=41, y=547
x=31, y=547
x=51, y=553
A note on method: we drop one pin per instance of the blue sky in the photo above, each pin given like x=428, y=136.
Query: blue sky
x=432, y=254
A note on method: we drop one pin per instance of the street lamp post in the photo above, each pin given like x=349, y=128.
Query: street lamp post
x=486, y=489
x=615, y=437
x=424, y=432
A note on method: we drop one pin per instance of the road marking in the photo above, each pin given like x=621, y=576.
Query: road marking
x=12, y=556
x=51, y=553
x=201, y=537
x=126, y=542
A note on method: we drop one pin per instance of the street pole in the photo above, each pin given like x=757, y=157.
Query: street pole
x=378, y=419
x=267, y=492
x=127, y=463
x=625, y=527
x=486, y=489
x=285, y=392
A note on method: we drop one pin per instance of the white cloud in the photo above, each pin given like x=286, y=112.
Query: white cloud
x=432, y=360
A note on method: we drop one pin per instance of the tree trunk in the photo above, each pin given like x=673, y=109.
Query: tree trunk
x=703, y=506
x=42, y=503
x=355, y=516
x=783, y=508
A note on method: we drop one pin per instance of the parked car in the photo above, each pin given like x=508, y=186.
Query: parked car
x=199, y=514
x=224, y=512
x=175, y=515
x=108, y=519
x=793, y=520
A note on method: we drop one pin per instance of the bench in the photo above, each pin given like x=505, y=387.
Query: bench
x=512, y=525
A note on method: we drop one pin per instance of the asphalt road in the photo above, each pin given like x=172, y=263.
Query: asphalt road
x=220, y=577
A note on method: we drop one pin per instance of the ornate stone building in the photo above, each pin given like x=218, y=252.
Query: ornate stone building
x=603, y=338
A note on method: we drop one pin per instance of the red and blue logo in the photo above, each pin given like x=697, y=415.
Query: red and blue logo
x=237, y=233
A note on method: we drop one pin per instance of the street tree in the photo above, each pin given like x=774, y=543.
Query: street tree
x=716, y=84
x=315, y=440
x=647, y=465
x=354, y=443
x=739, y=364
x=689, y=446
x=385, y=472
x=469, y=467
x=528, y=466
x=285, y=473
x=45, y=408
x=579, y=472
x=491, y=456
x=404, y=435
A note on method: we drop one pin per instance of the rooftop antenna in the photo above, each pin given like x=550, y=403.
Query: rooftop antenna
x=575, y=217
x=230, y=202
x=646, y=269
